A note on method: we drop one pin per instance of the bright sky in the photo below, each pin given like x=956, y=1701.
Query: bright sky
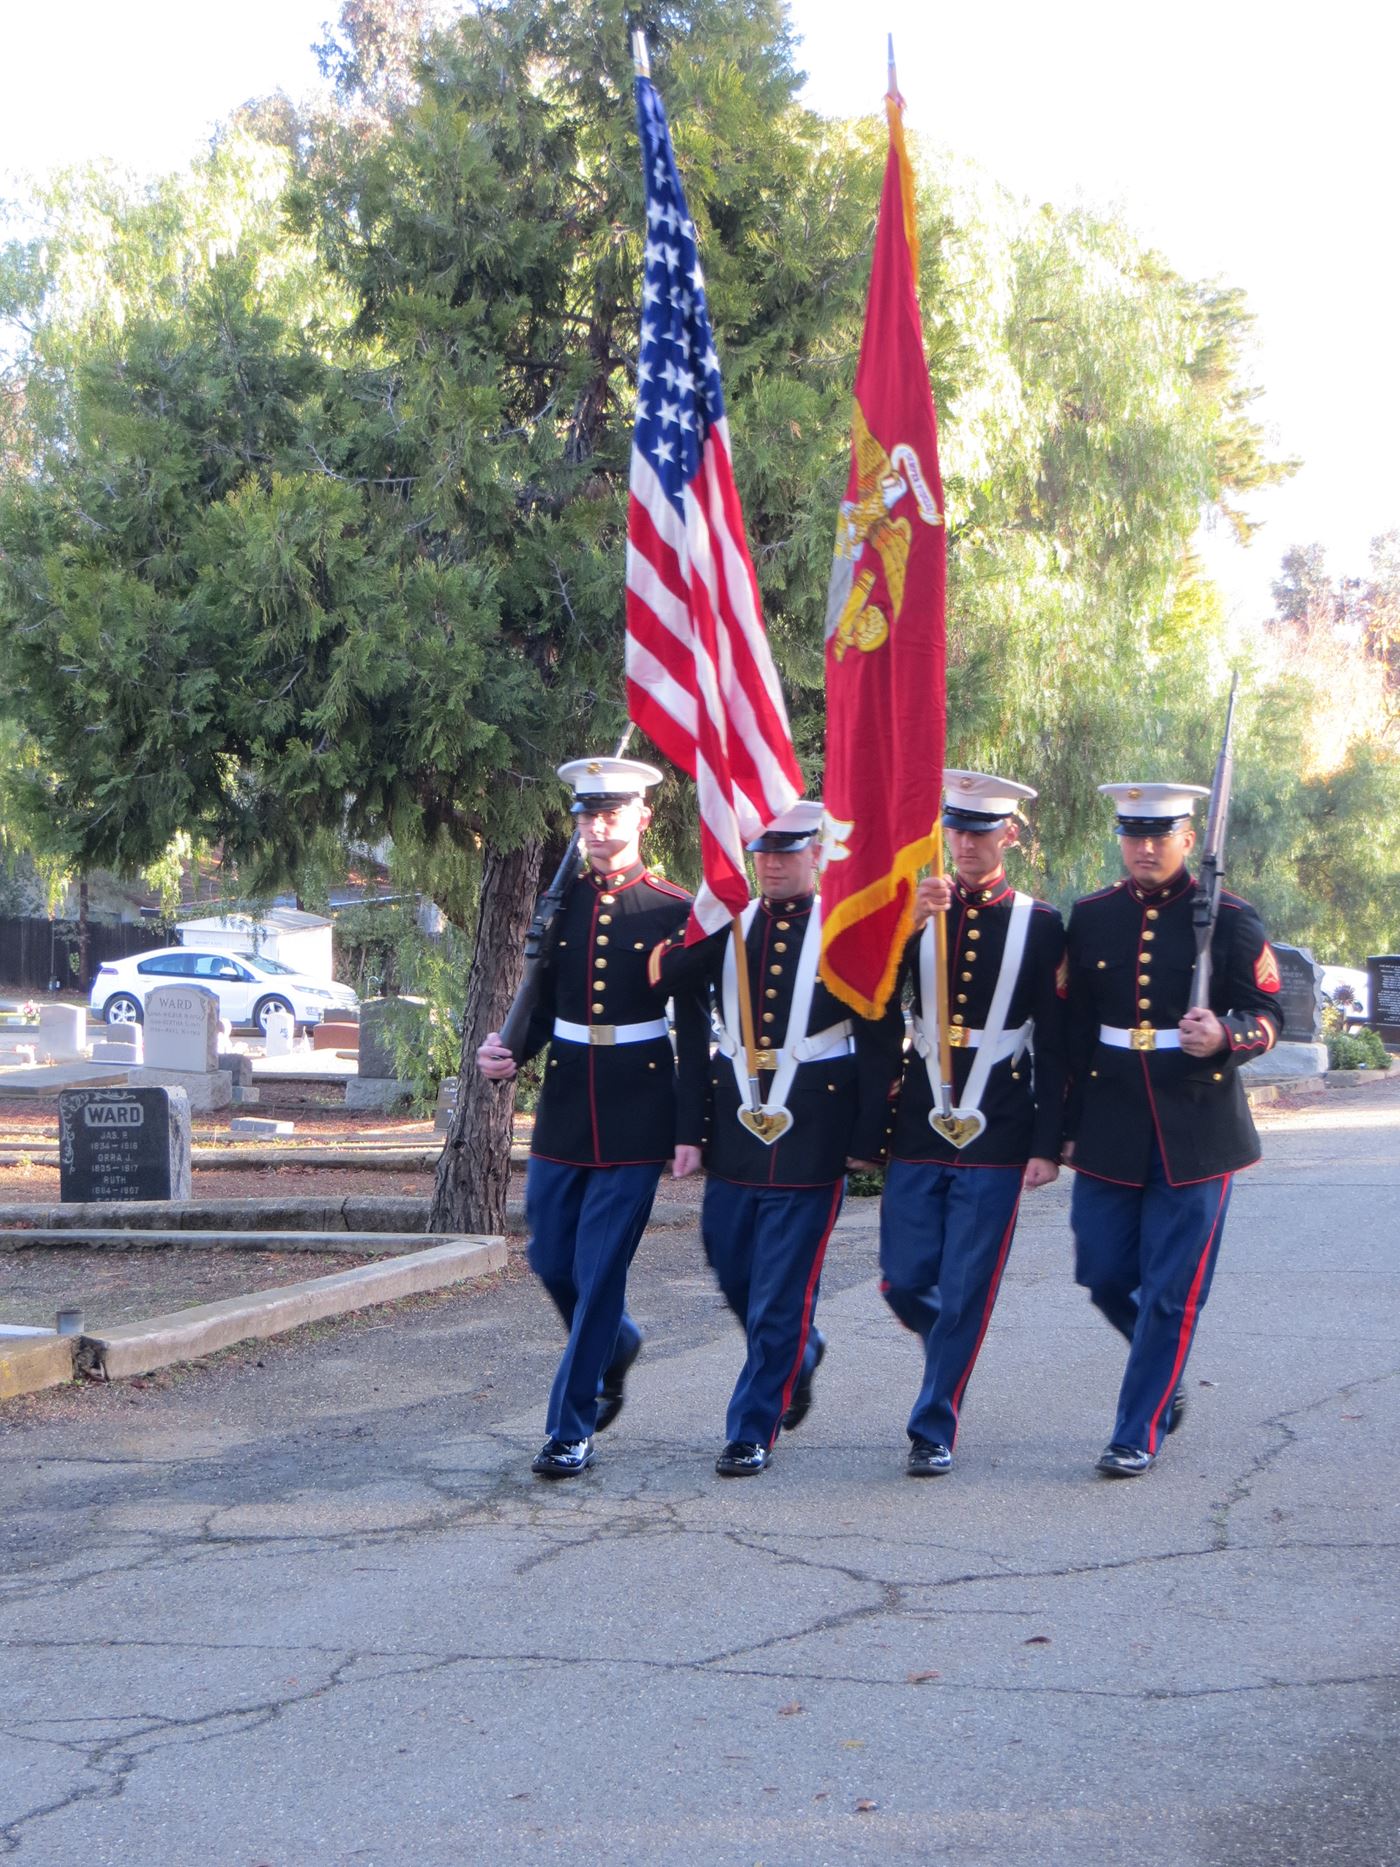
x=1256, y=142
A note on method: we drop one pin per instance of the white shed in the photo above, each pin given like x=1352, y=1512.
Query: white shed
x=299, y=940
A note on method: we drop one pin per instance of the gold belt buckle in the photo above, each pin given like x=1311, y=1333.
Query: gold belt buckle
x=959, y=1036
x=766, y=1058
x=602, y=1033
x=1143, y=1037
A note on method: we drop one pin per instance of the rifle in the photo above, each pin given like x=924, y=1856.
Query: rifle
x=1205, y=906
x=541, y=937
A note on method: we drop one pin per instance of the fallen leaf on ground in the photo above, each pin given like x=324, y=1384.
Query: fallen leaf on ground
x=1037, y=1640
x=790, y=1710
x=919, y=1678
x=865, y=1805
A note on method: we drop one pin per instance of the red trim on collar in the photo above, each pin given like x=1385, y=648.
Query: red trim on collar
x=1164, y=896
x=987, y=894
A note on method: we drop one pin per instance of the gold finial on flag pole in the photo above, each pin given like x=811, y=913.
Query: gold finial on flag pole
x=641, y=58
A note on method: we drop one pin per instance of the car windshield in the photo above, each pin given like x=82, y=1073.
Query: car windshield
x=261, y=964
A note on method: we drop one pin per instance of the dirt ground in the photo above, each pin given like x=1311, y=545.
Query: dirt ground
x=127, y=1286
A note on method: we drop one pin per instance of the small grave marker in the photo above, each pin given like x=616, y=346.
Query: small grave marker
x=118, y=1144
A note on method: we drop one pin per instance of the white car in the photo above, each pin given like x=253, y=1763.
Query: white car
x=246, y=985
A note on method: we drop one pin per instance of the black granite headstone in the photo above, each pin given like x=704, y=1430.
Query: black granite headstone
x=116, y=1144
x=1383, y=972
x=1300, y=994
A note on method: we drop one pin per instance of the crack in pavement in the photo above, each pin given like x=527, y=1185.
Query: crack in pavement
x=1242, y=1489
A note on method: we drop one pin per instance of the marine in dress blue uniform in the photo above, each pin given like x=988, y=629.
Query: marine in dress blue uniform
x=606, y=1121
x=1156, y=1118
x=949, y=1213
x=774, y=1188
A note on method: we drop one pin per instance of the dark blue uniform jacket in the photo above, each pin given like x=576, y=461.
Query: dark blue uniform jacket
x=1024, y=1100
x=1131, y=954
x=838, y=1106
x=611, y=1105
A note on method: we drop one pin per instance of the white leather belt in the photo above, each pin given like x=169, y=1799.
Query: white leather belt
x=837, y=1040
x=960, y=1037
x=1139, y=1037
x=610, y=1033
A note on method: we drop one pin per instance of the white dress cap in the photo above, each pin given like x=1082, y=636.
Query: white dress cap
x=609, y=780
x=1158, y=806
x=979, y=800
x=793, y=828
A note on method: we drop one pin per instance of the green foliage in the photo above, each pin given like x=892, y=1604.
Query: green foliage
x=317, y=532
x=380, y=949
x=1357, y=1050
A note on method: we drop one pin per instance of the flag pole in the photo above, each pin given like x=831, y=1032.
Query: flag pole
x=641, y=58
x=936, y=866
x=746, y=1029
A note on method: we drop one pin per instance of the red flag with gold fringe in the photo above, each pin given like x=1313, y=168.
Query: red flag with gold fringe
x=885, y=625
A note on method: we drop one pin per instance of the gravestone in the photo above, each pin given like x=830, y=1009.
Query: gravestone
x=181, y=1032
x=446, y=1105
x=182, y=1029
x=1300, y=993
x=377, y=1086
x=62, y=1032
x=118, y=1144
x=1383, y=973
x=332, y=1035
x=1299, y=1052
x=279, y=1034
x=120, y=1044
x=237, y=1065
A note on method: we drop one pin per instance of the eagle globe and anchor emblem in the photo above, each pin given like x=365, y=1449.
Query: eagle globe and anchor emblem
x=869, y=521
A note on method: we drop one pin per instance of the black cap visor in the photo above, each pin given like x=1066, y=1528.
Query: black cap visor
x=978, y=821
x=780, y=842
x=1150, y=826
x=602, y=800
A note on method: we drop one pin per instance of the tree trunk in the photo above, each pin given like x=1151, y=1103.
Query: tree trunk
x=473, y=1175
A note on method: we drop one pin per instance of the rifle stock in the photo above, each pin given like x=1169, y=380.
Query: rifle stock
x=540, y=937
x=1205, y=906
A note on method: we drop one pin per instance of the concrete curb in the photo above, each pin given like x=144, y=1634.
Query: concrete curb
x=128, y=1238
x=44, y=1361
x=138, y=1347
x=247, y=1222
x=290, y=1154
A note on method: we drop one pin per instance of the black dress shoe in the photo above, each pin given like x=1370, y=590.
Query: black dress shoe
x=562, y=1458
x=611, y=1394
x=1124, y=1462
x=801, y=1403
x=1176, y=1412
x=741, y=1459
x=928, y=1459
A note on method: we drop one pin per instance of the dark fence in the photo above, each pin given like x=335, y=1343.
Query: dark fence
x=34, y=953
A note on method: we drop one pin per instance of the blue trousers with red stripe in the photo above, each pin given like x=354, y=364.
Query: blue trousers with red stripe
x=944, y=1237
x=766, y=1245
x=585, y=1226
x=1146, y=1255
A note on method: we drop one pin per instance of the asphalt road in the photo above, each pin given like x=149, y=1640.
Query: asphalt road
x=308, y=1606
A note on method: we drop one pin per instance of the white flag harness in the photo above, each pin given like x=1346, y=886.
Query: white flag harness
x=773, y=1119
x=993, y=1042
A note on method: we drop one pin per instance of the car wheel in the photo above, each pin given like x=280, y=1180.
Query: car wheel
x=122, y=1008
x=266, y=1005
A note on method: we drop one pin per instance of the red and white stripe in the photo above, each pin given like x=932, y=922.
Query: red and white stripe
x=701, y=682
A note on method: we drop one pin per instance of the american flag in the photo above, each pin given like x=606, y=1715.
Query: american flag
x=700, y=677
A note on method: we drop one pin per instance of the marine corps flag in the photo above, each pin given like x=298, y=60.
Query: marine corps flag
x=885, y=639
